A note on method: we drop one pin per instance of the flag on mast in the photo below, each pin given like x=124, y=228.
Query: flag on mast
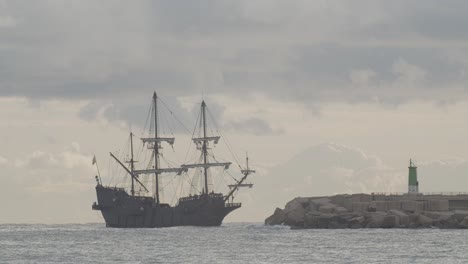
x=97, y=167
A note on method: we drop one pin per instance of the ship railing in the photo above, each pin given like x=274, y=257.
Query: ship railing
x=190, y=198
x=216, y=195
x=114, y=188
x=144, y=198
x=198, y=197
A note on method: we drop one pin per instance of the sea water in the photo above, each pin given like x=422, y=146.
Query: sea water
x=230, y=243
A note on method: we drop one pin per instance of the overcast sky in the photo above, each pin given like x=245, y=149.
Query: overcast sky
x=326, y=96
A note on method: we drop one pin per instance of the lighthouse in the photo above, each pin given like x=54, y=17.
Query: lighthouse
x=413, y=184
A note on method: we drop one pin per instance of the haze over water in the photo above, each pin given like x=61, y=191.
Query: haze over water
x=230, y=243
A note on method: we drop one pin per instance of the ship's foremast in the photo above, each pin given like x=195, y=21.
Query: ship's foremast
x=132, y=174
x=204, y=149
x=132, y=163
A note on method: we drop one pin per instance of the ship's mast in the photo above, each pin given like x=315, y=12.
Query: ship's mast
x=156, y=148
x=132, y=163
x=133, y=174
x=154, y=144
x=204, y=150
x=204, y=140
x=156, y=141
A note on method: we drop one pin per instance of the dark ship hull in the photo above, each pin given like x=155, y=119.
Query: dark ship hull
x=122, y=210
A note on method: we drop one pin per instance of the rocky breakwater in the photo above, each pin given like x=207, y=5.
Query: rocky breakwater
x=373, y=211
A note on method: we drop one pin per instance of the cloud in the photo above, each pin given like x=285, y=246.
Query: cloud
x=70, y=158
x=255, y=126
x=7, y=21
x=133, y=112
x=408, y=73
x=434, y=21
x=173, y=116
x=37, y=159
x=3, y=161
x=301, y=51
x=49, y=172
x=361, y=78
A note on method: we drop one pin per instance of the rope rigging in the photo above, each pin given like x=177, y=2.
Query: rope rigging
x=225, y=139
x=206, y=142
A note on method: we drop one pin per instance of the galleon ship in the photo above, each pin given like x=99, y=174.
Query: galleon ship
x=141, y=205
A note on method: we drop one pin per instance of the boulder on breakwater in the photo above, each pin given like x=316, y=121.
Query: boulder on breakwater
x=374, y=211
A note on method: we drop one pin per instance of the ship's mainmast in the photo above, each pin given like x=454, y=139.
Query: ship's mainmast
x=156, y=148
x=204, y=150
x=205, y=141
x=156, y=145
x=132, y=163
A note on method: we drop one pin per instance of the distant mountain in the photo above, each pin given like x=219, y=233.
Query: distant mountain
x=330, y=168
x=324, y=169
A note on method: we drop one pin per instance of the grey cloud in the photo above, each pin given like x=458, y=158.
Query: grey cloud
x=135, y=112
x=172, y=116
x=37, y=159
x=43, y=181
x=429, y=19
x=254, y=126
x=300, y=51
x=90, y=111
x=3, y=161
x=7, y=21
x=205, y=17
x=215, y=110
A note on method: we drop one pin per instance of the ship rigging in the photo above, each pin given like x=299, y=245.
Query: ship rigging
x=201, y=207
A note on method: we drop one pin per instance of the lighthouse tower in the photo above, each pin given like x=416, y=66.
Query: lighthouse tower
x=413, y=184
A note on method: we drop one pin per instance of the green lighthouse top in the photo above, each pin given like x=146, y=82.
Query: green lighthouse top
x=413, y=174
